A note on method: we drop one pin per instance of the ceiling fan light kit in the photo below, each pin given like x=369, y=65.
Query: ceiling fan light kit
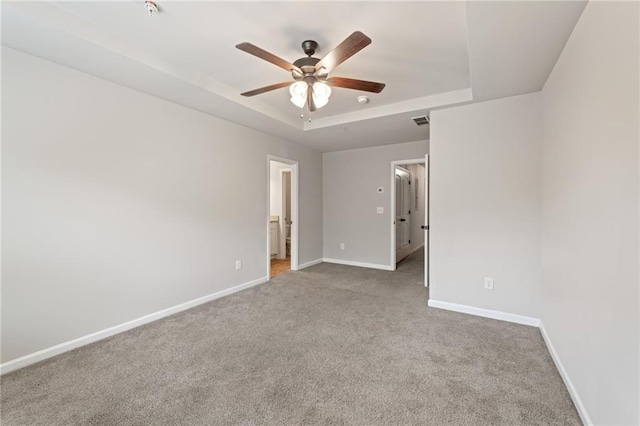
x=312, y=85
x=300, y=91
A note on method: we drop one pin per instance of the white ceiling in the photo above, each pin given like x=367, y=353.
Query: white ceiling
x=429, y=54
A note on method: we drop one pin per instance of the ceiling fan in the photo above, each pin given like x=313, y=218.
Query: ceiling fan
x=312, y=84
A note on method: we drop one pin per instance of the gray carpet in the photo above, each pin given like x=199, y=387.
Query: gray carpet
x=327, y=345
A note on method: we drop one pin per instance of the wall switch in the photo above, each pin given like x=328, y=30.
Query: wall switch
x=341, y=246
x=238, y=264
x=488, y=283
x=380, y=210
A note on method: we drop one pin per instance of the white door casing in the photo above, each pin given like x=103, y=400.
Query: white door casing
x=392, y=216
x=285, y=216
x=426, y=221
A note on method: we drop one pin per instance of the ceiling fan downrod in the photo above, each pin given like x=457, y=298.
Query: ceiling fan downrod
x=309, y=47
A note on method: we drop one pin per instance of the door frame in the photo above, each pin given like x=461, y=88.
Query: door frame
x=427, y=219
x=392, y=213
x=294, y=211
x=282, y=246
x=409, y=176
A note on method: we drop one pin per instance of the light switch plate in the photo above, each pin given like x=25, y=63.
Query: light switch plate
x=488, y=283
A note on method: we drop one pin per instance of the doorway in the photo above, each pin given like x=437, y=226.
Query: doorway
x=403, y=206
x=410, y=212
x=282, y=224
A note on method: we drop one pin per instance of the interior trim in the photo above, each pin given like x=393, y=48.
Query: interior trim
x=535, y=322
x=311, y=263
x=486, y=313
x=359, y=264
x=58, y=349
x=582, y=411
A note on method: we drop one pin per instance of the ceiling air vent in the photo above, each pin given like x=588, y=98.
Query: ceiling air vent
x=421, y=121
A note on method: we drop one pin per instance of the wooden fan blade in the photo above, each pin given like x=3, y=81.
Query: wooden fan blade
x=310, y=102
x=349, y=47
x=267, y=88
x=269, y=57
x=350, y=83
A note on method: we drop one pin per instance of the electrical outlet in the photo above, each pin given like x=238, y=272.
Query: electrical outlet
x=380, y=210
x=341, y=246
x=238, y=264
x=488, y=283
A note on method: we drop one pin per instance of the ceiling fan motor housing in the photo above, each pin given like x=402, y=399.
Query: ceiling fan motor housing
x=307, y=65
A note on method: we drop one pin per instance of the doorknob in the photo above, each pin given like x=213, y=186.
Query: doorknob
x=425, y=227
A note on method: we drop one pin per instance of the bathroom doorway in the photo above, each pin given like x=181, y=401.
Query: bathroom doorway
x=283, y=210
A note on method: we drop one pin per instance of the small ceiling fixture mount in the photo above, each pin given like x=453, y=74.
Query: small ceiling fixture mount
x=151, y=7
x=362, y=99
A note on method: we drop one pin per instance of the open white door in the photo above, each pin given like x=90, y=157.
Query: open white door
x=426, y=221
x=403, y=211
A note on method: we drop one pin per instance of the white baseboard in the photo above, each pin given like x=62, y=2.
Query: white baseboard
x=417, y=248
x=582, y=411
x=360, y=264
x=535, y=322
x=307, y=264
x=32, y=358
x=487, y=313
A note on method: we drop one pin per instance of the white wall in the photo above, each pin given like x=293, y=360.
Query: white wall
x=590, y=306
x=350, y=199
x=485, y=204
x=117, y=204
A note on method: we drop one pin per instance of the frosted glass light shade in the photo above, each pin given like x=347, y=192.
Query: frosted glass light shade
x=320, y=102
x=299, y=92
x=321, y=90
x=299, y=101
x=298, y=89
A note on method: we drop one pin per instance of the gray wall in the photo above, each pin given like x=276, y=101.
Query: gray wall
x=350, y=199
x=117, y=204
x=485, y=204
x=590, y=306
